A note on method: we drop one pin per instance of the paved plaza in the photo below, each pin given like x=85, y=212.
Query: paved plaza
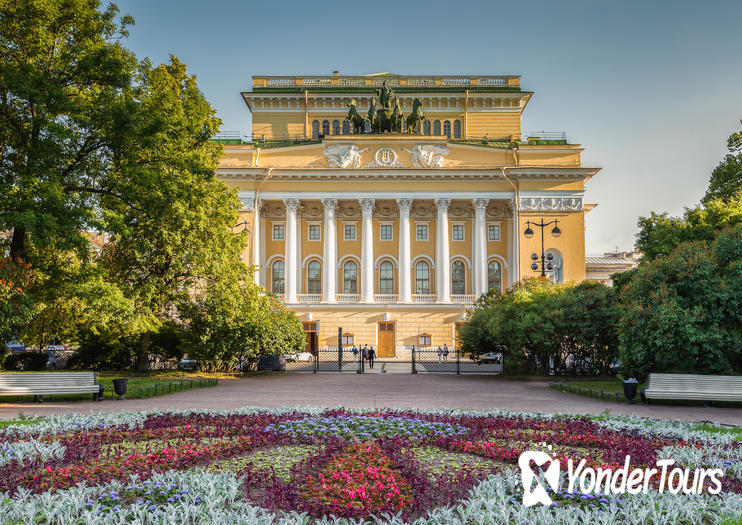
x=379, y=391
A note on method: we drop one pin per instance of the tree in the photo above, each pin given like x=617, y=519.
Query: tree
x=683, y=313
x=172, y=231
x=726, y=179
x=63, y=77
x=15, y=302
x=544, y=324
x=231, y=323
x=660, y=234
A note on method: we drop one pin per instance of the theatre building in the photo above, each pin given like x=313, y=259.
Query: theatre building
x=389, y=224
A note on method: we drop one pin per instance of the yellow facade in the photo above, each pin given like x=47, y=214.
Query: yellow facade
x=345, y=227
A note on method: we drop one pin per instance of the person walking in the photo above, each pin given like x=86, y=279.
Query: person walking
x=371, y=357
x=445, y=353
x=355, y=351
x=440, y=353
x=364, y=353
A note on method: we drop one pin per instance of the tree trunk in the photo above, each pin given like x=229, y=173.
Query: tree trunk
x=143, y=353
x=18, y=244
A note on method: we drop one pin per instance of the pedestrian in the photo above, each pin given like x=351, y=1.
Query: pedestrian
x=355, y=351
x=364, y=353
x=440, y=353
x=371, y=356
x=445, y=353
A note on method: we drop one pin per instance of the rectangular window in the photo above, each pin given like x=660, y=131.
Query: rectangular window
x=314, y=232
x=457, y=232
x=386, y=232
x=350, y=232
x=421, y=232
x=493, y=232
x=424, y=340
x=348, y=340
x=278, y=233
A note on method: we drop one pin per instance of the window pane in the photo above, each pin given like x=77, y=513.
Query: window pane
x=426, y=127
x=350, y=232
x=457, y=129
x=386, y=232
x=278, y=232
x=422, y=278
x=422, y=232
x=386, y=278
x=336, y=127
x=277, y=277
x=325, y=127
x=346, y=127
x=458, y=276
x=437, y=127
x=494, y=276
x=314, y=232
x=447, y=128
x=458, y=232
x=350, y=277
x=314, y=277
x=493, y=232
x=315, y=129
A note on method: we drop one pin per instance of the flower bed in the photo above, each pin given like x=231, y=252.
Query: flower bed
x=256, y=466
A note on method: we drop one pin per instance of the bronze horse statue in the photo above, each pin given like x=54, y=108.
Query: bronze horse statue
x=415, y=120
x=397, y=117
x=355, y=119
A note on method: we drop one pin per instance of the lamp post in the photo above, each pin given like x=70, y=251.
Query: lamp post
x=246, y=228
x=546, y=259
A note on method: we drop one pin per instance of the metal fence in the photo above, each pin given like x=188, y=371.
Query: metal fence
x=430, y=361
x=323, y=360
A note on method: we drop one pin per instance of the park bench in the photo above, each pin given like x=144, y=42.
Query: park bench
x=40, y=383
x=693, y=387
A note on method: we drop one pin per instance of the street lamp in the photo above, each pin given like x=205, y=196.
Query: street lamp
x=546, y=259
x=246, y=228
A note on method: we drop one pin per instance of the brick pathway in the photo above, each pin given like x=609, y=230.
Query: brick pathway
x=380, y=390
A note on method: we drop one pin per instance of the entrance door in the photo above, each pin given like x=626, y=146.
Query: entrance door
x=387, y=341
x=310, y=329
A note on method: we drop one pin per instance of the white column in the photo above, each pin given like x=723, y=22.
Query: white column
x=256, y=241
x=367, y=251
x=480, y=246
x=405, y=288
x=514, y=270
x=330, y=252
x=292, y=205
x=442, y=263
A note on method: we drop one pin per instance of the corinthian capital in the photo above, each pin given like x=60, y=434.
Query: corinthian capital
x=480, y=204
x=442, y=204
x=367, y=205
x=404, y=205
x=291, y=204
x=329, y=204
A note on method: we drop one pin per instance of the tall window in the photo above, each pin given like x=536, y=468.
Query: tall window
x=325, y=127
x=494, y=276
x=386, y=278
x=315, y=129
x=346, y=127
x=350, y=277
x=457, y=232
x=437, y=127
x=367, y=127
x=278, y=277
x=314, y=232
x=447, y=128
x=421, y=232
x=336, y=127
x=426, y=127
x=458, y=278
x=385, y=232
x=278, y=232
x=493, y=232
x=457, y=129
x=422, y=277
x=350, y=232
x=314, y=277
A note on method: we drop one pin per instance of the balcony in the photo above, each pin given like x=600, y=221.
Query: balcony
x=354, y=298
x=348, y=297
x=385, y=298
x=423, y=298
x=309, y=297
x=463, y=299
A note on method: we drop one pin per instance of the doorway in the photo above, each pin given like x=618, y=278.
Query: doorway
x=387, y=339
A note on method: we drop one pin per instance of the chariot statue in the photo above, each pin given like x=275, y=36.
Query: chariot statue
x=388, y=115
x=356, y=120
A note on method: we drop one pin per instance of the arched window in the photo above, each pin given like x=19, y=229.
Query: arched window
x=278, y=277
x=325, y=127
x=315, y=129
x=350, y=277
x=386, y=278
x=336, y=127
x=367, y=127
x=458, y=278
x=314, y=277
x=437, y=127
x=494, y=276
x=422, y=277
x=457, y=129
x=447, y=128
x=346, y=127
x=426, y=127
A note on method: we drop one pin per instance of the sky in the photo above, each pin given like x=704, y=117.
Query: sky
x=651, y=89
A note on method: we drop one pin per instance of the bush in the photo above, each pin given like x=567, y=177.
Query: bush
x=101, y=353
x=26, y=361
x=683, y=313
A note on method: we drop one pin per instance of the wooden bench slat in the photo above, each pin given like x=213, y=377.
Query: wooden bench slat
x=694, y=387
x=40, y=383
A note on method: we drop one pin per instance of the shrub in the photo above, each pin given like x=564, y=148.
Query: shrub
x=26, y=361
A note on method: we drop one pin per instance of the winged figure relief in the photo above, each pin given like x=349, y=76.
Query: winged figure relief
x=343, y=156
x=428, y=156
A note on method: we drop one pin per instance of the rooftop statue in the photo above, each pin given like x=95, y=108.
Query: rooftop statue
x=355, y=119
x=388, y=116
x=415, y=120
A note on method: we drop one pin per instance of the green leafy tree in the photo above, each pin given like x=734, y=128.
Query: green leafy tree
x=172, y=231
x=683, y=313
x=544, y=324
x=230, y=324
x=726, y=179
x=660, y=234
x=63, y=79
x=16, y=305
